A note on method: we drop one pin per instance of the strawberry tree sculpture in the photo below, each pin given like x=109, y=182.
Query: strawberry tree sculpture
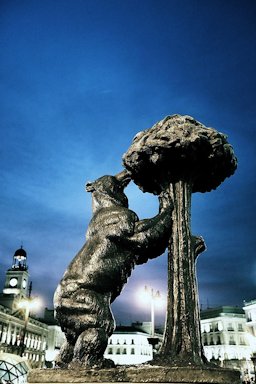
x=179, y=155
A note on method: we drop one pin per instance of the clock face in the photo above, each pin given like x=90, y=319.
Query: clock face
x=24, y=283
x=13, y=282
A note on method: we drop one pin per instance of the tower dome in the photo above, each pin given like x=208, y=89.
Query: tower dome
x=20, y=259
x=20, y=253
x=16, y=280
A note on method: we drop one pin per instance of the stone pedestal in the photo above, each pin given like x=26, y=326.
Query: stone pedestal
x=137, y=374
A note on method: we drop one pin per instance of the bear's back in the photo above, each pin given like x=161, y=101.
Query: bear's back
x=112, y=222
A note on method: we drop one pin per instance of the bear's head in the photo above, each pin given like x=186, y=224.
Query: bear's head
x=109, y=190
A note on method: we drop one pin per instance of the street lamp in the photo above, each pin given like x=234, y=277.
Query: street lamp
x=26, y=304
x=153, y=296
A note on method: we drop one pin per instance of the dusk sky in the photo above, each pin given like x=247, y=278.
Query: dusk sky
x=79, y=78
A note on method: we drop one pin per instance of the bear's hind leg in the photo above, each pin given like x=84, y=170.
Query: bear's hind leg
x=66, y=352
x=65, y=355
x=89, y=350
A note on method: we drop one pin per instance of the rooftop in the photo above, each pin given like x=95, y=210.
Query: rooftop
x=251, y=302
x=221, y=311
x=128, y=329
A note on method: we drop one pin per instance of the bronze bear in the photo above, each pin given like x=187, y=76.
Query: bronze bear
x=116, y=240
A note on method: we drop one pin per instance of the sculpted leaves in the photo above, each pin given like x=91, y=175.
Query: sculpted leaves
x=179, y=148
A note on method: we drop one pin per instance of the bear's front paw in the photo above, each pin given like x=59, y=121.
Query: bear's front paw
x=165, y=201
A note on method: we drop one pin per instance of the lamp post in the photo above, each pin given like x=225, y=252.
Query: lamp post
x=26, y=304
x=153, y=296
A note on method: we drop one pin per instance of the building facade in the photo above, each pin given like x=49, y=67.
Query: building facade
x=55, y=338
x=11, y=333
x=19, y=333
x=250, y=314
x=128, y=345
x=225, y=338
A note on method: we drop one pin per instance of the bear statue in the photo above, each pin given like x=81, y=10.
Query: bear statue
x=116, y=240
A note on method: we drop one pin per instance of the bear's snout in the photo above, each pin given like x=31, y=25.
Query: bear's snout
x=89, y=187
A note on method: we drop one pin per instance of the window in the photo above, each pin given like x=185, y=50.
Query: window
x=124, y=351
x=240, y=327
x=230, y=327
x=110, y=351
x=205, y=342
x=132, y=351
x=118, y=351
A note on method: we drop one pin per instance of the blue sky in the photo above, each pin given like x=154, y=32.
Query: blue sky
x=78, y=80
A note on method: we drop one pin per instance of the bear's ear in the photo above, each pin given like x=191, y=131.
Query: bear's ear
x=89, y=187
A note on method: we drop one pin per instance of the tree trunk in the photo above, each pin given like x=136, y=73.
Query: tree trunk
x=182, y=336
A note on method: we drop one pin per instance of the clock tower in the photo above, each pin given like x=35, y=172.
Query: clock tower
x=16, y=280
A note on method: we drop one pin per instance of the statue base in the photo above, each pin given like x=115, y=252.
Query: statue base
x=137, y=374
